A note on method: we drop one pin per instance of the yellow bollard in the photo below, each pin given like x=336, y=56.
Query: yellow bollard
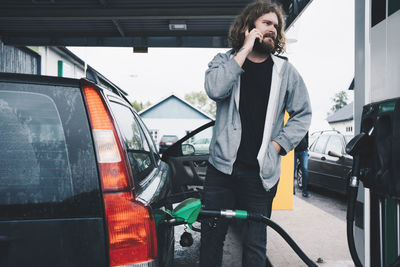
x=284, y=195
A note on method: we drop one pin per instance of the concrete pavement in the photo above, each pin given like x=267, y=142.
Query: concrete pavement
x=318, y=233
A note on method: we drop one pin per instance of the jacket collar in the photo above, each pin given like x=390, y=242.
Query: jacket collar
x=278, y=63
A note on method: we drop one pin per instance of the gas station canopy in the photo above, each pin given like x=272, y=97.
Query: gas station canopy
x=129, y=23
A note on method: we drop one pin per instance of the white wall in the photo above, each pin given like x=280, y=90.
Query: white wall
x=176, y=127
x=51, y=56
x=385, y=59
x=344, y=127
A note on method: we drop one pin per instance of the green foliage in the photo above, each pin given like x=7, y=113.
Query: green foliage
x=201, y=101
x=140, y=106
x=339, y=101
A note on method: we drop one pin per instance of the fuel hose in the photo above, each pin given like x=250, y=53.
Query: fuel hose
x=240, y=214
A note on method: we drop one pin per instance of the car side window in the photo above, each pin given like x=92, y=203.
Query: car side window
x=148, y=137
x=320, y=144
x=334, y=145
x=198, y=144
x=139, y=153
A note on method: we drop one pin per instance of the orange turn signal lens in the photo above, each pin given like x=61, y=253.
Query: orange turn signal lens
x=131, y=229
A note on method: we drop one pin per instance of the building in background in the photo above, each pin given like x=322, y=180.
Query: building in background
x=172, y=116
x=41, y=60
x=19, y=60
x=59, y=61
x=343, y=120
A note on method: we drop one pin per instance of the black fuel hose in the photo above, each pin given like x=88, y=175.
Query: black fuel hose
x=351, y=201
x=260, y=218
x=352, y=196
x=263, y=219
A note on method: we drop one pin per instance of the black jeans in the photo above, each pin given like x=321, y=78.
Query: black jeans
x=243, y=190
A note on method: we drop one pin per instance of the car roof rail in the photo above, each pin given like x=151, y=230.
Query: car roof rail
x=324, y=131
x=97, y=78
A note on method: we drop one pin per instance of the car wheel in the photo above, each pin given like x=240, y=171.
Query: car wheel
x=299, y=176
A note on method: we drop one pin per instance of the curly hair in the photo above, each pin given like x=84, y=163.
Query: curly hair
x=248, y=16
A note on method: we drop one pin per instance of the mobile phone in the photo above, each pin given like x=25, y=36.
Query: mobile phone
x=251, y=26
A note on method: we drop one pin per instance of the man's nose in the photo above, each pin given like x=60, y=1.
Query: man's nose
x=271, y=32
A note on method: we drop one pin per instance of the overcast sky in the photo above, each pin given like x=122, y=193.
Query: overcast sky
x=323, y=54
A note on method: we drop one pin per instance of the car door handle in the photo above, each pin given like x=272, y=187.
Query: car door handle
x=323, y=158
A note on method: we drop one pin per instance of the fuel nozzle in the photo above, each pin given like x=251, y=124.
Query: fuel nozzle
x=356, y=145
x=354, y=148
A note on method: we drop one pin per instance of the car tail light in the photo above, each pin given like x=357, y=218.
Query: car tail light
x=162, y=143
x=131, y=228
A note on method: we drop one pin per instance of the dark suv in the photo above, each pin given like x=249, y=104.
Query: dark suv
x=78, y=175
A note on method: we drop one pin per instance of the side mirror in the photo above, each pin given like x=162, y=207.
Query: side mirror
x=334, y=154
x=188, y=149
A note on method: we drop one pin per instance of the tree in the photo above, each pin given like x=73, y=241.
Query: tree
x=339, y=101
x=201, y=101
x=139, y=105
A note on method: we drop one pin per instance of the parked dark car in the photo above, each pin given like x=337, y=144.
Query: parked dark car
x=328, y=163
x=79, y=173
x=166, y=141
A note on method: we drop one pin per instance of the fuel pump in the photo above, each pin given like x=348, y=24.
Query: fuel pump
x=376, y=162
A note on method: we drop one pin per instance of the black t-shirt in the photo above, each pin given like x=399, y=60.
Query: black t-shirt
x=255, y=86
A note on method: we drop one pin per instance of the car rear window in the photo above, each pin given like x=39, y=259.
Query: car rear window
x=33, y=150
x=47, y=164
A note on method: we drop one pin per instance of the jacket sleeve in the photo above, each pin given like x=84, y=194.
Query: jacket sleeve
x=298, y=106
x=221, y=77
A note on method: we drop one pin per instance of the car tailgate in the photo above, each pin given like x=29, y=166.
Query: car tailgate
x=50, y=199
x=53, y=242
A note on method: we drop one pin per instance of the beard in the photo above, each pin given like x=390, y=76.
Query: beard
x=265, y=47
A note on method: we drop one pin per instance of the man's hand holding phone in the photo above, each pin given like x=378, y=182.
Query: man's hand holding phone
x=250, y=36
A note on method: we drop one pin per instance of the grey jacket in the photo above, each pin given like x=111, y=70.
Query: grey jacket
x=288, y=92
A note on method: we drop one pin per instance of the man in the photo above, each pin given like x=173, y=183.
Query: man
x=252, y=88
x=301, y=153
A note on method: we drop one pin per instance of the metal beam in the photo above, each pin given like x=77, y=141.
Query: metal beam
x=110, y=33
x=163, y=41
x=119, y=14
x=119, y=28
x=140, y=23
x=103, y=3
